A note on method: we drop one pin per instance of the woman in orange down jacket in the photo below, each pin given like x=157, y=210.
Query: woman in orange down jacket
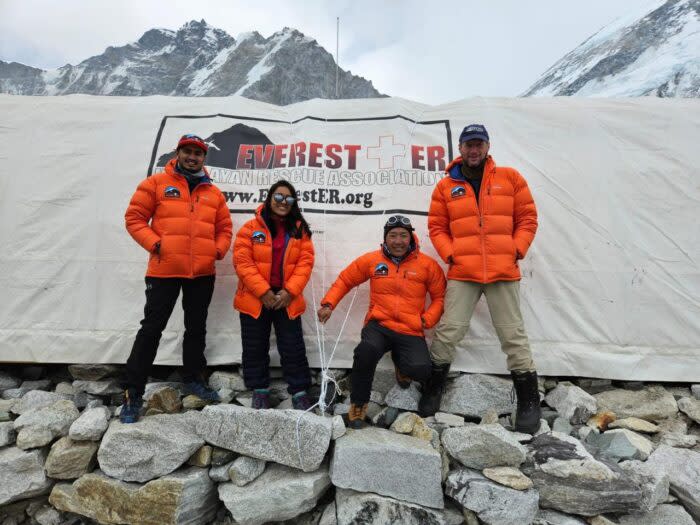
x=400, y=277
x=273, y=256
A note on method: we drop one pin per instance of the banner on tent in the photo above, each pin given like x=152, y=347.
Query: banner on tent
x=338, y=166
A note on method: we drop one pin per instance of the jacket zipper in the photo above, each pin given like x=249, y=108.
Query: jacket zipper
x=479, y=206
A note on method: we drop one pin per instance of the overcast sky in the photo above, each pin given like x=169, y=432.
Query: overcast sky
x=429, y=51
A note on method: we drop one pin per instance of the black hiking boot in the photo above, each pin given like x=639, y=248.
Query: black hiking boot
x=433, y=389
x=527, y=418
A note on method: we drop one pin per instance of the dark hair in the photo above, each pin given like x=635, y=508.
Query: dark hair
x=291, y=219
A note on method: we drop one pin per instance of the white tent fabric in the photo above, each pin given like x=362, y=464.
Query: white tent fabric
x=611, y=285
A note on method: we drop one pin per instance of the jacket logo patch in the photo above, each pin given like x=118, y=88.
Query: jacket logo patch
x=458, y=191
x=258, y=237
x=172, y=192
x=381, y=269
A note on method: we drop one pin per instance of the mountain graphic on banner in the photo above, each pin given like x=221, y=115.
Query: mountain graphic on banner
x=224, y=145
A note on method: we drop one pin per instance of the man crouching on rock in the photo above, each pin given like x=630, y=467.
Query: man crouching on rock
x=183, y=221
x=400, y=276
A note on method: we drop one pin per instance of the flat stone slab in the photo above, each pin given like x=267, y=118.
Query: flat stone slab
x=187, y=497
x=366, y=508
x=93, y=372
x=472, y=395
x=22, y=474
x=150, y=448
x=482, y=446
x=384, y=462
x=494, y=504
x=570, y=480
x=635, y=424
x=280, y=493
x=270, y=435
x=508, y=476
x=653, y=403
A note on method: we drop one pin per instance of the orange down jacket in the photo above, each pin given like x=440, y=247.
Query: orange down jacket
x=396, y=292
x=252, y=259
x=193, y=230
x=486, y=240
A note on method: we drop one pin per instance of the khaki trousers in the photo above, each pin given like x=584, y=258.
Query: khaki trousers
x=503, y=299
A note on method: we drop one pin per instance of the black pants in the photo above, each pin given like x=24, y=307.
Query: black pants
x=409, y=352
x=161, y=296
x=255, y=336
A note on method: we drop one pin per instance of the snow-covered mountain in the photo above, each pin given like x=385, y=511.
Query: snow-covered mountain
x=653, y=51
x=198, y=60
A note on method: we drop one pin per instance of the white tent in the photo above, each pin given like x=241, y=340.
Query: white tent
x=611, y=286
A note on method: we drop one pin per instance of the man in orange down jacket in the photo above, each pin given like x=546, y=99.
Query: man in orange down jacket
x=400, y=276
x=482, y=220
x=183, y=222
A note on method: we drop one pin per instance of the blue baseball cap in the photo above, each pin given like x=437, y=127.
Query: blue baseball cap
x=474, y=131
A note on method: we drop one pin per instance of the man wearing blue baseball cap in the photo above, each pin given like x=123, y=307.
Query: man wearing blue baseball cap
x=482, y=220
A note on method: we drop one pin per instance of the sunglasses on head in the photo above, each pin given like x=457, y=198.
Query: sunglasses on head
x=396, y=219
x=281, y=197
x=191, y=136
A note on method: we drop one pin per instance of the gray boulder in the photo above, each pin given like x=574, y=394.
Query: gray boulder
x=653, y=482
x=22, y=474
x=280, y=493
x=219, y=380
x=482, y=446
x=245, y=469
x=70, y=459
x=390, y=464
x=40, y=426
x=695, y=389
x=270, y=435
x=683, y=469
x=91, y=425
x=404, y=399
x=621, y=444
x=571, y=402
x=35, y=399
x=661, y=515
x=653, y=404
x=472, y=395
x=186, y=497
x=365, y=508
x=494, y=504
x=150, y=448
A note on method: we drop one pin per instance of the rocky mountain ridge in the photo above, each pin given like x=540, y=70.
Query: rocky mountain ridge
x=198, y=60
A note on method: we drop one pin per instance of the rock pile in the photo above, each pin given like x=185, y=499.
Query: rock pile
x=606, y=452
